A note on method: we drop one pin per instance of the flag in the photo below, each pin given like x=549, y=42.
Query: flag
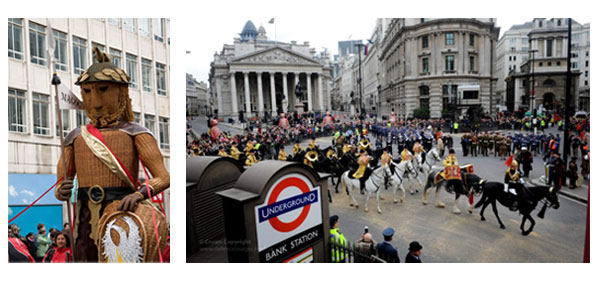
x=370, y=41
x=272, y=20
x=50, y=45
x=67, y=99
x=509, y=161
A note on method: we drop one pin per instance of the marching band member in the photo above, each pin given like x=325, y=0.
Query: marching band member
x=251, y=160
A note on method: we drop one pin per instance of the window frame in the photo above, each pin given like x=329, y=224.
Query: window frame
x=133, y=72
x=147, y=82
x=164, y=140
x=449, y=39
x=62, y=58
x=161, y=79
x=115, y=55
x=19, y=102
x=16, y=24
x=80, y=46
x=447, y=61
x=38, y=103
x=37, y=54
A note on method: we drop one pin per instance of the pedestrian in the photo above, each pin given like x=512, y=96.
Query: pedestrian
x=30, y=242
x=526, y=160
x=338, y=240
x=42, y=241
x=365, y=246
x=385, y=250
x=572, y=173
x=414, y=253
x=62, y=251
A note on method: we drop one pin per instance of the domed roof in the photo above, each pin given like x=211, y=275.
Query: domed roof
x=261, y=30
x=249, y=31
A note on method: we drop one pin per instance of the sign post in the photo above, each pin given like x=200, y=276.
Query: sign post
x=276, y=213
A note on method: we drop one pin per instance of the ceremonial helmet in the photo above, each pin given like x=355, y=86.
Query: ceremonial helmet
x=312, y=156
x=514, y=165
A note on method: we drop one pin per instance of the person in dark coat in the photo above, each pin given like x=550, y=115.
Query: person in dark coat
x=385, y=250
x=414, y=253
x=526, y=160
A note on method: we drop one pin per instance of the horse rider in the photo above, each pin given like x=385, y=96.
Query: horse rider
x=235, y=153
x=310, y=157
x=513, y=186
x=312, y=145
x=452, y=172
x=363, y=172
x=297, y=148
x=417, y=148
x=251, y=160
x=385, y=157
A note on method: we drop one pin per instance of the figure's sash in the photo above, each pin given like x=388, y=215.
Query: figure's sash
x=95, y=141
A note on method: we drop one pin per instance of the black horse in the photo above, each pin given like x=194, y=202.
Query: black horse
x=494, y=191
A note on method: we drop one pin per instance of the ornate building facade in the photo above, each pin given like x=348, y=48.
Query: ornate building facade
x=257, y=77
x=443, y=67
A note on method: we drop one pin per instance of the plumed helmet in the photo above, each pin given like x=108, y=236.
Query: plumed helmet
x=103, y=70
x=514, y=164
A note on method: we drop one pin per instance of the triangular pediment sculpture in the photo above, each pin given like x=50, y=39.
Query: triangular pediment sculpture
x=276, y=56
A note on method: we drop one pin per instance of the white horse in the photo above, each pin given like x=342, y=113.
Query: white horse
x=372, y=185
x=397, y=175
x=431, y=158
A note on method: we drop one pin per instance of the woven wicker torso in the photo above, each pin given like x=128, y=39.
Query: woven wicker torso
x=91, y=171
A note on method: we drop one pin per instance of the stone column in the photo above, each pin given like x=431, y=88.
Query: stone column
x=286, y=102
x=309, y=91
x=320, y=91
x=234, y=107
x=328, y=93
x=261, y=107
x=273, y=101
x=247, y=95
x=296, y=80
x=218, y=82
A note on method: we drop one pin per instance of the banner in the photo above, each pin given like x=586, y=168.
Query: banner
x=67, y=99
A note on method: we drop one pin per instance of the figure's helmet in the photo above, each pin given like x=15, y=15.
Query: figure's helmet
x=514, y=165
x=105, y=92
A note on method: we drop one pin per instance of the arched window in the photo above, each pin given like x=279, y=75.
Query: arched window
x=549, y=82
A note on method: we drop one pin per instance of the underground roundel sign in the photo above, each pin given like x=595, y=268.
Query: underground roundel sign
x=290, y=212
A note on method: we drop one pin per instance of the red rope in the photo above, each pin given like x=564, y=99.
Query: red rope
x=153, y=215
x=59, y=180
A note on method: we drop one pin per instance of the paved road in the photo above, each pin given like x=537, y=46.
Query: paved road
x=447, y=237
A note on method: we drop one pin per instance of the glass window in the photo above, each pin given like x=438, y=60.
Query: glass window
x=60, y=51
x=574, y=65
x=132, y=70
x=66, y=123
x=425, y=65
x=17, y=105
x=81, y=117
x=161, y=82
x=450, y=63
x=37, y=43
x=41, y=104
x=144, y=27
x=79, y=55
x=129, y=24
x=471, y=94
x=512, y=41
x=149, y=122
x=449, y=38
x=472, y=63
x=587, y=63
x=114, y=21
x=158, y=29
x=115, y=56
x=424, y=90
x=425, y=41
x=164, y=133
x=136, y=117
x=15, y=38
x=445, y=89
x=549, y=48
x=147, y=75
x=524, y=41
x=454, y=89
x=424, y=103
x=471, y=39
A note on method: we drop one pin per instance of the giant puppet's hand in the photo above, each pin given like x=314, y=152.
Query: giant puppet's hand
x=64, y=190
x=130, y=201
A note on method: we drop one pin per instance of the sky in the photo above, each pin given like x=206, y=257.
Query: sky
x=321, y=32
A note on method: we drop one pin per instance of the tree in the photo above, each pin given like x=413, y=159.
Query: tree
x=422, y=113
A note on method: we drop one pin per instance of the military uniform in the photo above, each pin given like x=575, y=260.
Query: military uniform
x=297, y=148
x=235, y=153
x=282, y=156
x=251, y=159
x=452, y=173
x=474, y=145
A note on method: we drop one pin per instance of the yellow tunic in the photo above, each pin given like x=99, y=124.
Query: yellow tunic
x=345, y=149
x=251, y=160
x=297, y=148
x=235, y=153
x=249, y=146
x=451, y=168
x=514, y=177
x=282, y=155
x=363, y=161
x=312, y=145
x=222, y=153
x=385, y=159
x=406, y=155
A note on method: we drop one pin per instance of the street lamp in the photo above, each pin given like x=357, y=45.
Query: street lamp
x=359, y=47
x=532, y=52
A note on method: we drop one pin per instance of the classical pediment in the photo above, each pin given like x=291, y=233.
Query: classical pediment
x=276, y=56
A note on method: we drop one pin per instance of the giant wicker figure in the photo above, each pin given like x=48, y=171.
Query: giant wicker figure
x=113, y=216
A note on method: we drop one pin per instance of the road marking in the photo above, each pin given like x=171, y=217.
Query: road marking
x=572, y=200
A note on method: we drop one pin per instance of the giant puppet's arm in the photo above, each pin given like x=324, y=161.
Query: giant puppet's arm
x=153, y=159
x=63, y=189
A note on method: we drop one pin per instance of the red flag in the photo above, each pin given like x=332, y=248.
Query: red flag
x=509, y=161
x=471, y=198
